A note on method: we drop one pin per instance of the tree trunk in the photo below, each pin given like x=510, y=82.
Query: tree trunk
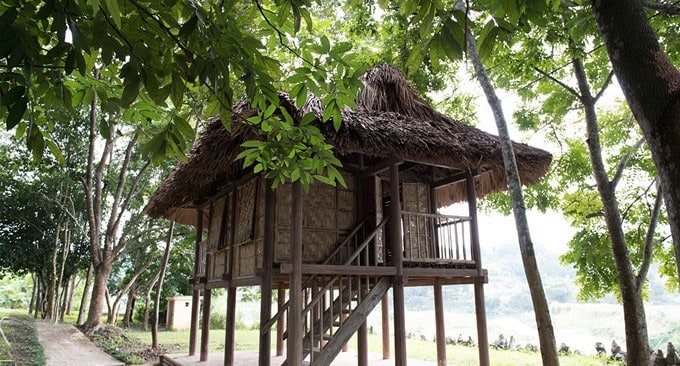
x=651, y=84
x=31, y=305
x=66, y=247
x=98, y=299
x=147, y=301
x=546, y=332
x=72, y=289
x=84, y=301
x=64, y=299
x=130, y=306
x=637, y=343
x=161, y=277
x=52, y=288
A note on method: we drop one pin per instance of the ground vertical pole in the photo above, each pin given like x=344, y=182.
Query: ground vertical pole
x=266, y=285
x=385, y=328
x=195, y=293
x=205, y=321
x=439, y=323
x=229, y=334
x=281, y=324
x=295, y=331
x=480, y=309
x=397, y=260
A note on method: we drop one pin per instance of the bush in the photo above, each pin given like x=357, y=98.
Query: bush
x=218, y=321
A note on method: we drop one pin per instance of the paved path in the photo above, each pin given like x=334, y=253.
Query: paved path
x=65, y=345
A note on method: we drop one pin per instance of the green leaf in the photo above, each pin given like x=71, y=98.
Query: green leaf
x=16, y=112
x=56, y=152
x=104, y=129
x=114, y=11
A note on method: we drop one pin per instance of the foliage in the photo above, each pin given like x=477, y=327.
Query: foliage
x=16, y=291
x=538, y=62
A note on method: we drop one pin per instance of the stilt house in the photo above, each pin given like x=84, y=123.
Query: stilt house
x=333, y=253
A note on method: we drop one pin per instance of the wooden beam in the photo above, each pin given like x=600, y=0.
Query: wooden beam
x=267, y=270
x=480, y=310
x=450, y=180
x=439, y=324
x=295, y=331
x=195, y=294
x=379, y=167
x=327, y=269
x=281, y=324
x=385, y=327
x=397, y=261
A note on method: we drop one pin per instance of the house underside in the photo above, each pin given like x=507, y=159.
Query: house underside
x=332, y=254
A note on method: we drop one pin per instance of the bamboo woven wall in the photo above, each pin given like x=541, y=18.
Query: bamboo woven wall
x=328, y=215
x=416, y=198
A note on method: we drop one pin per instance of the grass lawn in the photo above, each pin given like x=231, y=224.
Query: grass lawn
x=416, y=349
x=19, y=340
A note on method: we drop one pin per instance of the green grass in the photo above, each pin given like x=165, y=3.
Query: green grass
x=24, y=347
x=423, y=350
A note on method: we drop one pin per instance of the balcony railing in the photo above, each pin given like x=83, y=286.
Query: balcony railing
x=434, y=237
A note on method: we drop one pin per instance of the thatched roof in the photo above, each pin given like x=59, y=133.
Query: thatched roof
x=390, y=120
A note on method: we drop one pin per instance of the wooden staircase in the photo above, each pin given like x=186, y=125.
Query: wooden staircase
x=337, y=304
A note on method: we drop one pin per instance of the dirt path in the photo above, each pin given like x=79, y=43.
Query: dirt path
x=65, y=345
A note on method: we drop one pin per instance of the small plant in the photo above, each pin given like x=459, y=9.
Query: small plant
x=124, y=347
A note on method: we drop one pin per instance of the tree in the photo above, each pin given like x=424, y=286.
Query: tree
x=609, y=247
x=651, y=84
x=546, y=332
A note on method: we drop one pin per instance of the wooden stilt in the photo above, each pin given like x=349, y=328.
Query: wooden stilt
x=480, y=310
x=193, y=326
x=195, y=294
x=397, y=260
x=281, y=324
x=439, y=323
x=266, y=284
x=295, y=331
x=229, y=334
x=385, y=328
x=205, y=323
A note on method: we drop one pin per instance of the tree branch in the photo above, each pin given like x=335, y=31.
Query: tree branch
x=132, y=192
x=604, y=86
x=113, y=224
x=649, y=239
x=622, y=163
x=668, y=9
x=558, y=82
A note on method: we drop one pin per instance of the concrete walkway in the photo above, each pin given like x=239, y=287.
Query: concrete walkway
x=65, y=345
x=249, y=358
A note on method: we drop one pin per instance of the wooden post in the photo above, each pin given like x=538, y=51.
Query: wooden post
x=433, y=227
x=266, y=284
x=196, y=294
x=439, y=323
x=385, y=328
x=480, y=310
x=295, y=331
x=205, y=322
x=397, y=260
x=362, y=332
x=229, y=333
x=281, y=324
